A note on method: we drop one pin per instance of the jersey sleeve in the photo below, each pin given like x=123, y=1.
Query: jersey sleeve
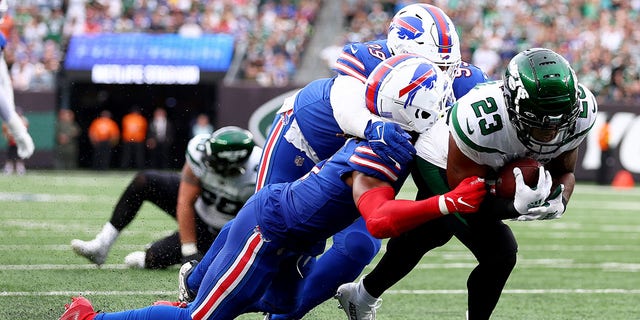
x=349, y=107
x=587, y=116
x=366, y=161
x=195, y=152
x=350, y=64
x=467, y=77
x=359, y=59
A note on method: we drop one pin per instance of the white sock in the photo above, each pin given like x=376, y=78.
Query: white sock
x=364, y=296
x=108, y=234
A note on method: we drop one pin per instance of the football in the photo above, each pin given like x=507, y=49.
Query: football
x=506, y=182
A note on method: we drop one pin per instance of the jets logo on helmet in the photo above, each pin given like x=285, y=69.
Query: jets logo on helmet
x=515, y=84
x=408, y=89
x=227, y=149
x=233, y=155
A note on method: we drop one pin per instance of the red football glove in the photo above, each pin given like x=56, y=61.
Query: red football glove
x=465, y=198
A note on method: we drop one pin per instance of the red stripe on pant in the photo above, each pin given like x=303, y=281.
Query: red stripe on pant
x=230, y=280
x=276, y=132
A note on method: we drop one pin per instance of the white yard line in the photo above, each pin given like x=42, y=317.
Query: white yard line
x=522, y=263
x=411, y=292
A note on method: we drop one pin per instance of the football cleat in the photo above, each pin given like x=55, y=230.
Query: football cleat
x=93, y=250
x=178, y=304
x=347, y=295
x=135, y=259
x=79, y=309
x=184, y=293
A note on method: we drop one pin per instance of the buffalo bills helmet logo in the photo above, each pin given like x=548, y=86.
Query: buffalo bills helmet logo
x=409, y=28
x=423, y=78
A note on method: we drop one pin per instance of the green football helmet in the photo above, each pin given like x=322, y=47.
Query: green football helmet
x=541, y=93
x=227, y=149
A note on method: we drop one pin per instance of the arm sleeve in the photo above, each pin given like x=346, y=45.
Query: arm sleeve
x=386, y=217
x=349, y=107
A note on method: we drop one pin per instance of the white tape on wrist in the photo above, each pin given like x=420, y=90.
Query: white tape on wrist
x=189, y=249
x=442, y=203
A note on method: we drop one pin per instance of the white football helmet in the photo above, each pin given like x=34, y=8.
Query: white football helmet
x=426, y=30
x=410, y=90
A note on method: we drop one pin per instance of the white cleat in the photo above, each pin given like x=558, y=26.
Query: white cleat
x=353, y=307
x=135, y=259
x=93, y=250
x=184, y=293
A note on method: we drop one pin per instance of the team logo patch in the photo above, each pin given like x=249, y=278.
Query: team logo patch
x=299, y=161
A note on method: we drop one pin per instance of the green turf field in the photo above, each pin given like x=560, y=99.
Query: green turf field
x=583, y=266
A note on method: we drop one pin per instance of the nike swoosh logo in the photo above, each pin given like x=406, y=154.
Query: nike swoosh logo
x=353, y=49
x=471, y=131
x=463, y=202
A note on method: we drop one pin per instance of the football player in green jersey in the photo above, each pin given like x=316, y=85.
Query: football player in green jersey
x=537, y=110
x=217, y=178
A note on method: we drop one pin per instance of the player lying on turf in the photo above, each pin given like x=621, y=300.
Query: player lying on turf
x=253, y=264
x=217, y=178
x=539, y=110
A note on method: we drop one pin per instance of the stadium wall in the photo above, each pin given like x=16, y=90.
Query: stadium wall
x=254, y=107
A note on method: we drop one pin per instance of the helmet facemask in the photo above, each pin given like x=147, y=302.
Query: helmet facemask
x=546, y=134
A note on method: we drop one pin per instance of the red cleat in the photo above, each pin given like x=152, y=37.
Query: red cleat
x=178, y=304
x=79, y=309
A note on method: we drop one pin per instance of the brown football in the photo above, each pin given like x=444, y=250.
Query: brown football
x=506, y=182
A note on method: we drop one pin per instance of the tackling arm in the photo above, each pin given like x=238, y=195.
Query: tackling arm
x=349, y=107
x=188, y=193
x=386, y=217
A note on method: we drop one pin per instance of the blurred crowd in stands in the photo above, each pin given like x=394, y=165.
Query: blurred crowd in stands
x=600, y=38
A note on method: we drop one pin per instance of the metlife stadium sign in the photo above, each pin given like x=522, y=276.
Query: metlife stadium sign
x=149, y=59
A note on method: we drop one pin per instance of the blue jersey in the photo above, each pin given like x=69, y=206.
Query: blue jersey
x=359, y=59
x=313, y=112
x=320, y=204
x=466, y=77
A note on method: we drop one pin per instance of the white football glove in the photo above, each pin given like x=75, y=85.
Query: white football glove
x=21, y=136
x=553, y=208
x=527, y=197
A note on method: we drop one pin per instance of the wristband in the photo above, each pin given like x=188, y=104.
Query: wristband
x=443, y=205
x=189, y=249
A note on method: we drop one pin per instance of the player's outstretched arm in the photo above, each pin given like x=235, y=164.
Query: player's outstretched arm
x=349, y=107
x=386, y=217
x=185, y=213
